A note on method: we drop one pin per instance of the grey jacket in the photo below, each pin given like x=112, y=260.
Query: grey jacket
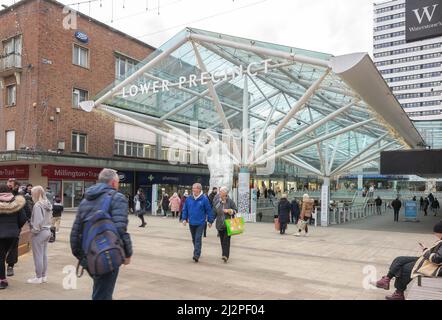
x=218, y=208
x=41, y=216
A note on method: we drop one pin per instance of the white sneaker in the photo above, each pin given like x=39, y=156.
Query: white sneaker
x=35, y=281
x=44, y=279
x=297, y=234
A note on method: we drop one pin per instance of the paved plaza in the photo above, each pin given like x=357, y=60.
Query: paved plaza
x=328, y=264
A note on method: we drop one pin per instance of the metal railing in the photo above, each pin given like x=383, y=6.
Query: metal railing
x=340, y=215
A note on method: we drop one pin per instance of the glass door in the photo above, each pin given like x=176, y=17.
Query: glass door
x=68, y=194
x=72, y=193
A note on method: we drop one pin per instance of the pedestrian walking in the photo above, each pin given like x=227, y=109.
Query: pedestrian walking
x=12, y=219
x=426, y=205
x=57, y=210
x=224, y=208
x=103, y=201
x=174, y=204
x=212, y=195
x=196, y=212
x=183, y=200
x=284, y=209
x=41, y=222
x=435, y=206
x=165, y=204
x=295, y=211
x=49, y=195
x=306, y=214
x=396, y=204
x=378, y=203
x=140, y=205
x=421, y=204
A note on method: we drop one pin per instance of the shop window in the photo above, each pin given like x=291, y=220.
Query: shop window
x=79, y=95
x=80, y=56
x=79, y=142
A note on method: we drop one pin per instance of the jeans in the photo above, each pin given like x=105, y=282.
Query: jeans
x=396, y=215
x=378, y=210
x=225, y=243
x=283, y=226
x=104, y=286
x=197, y=235
x=12, y=255
x=401, y=268
x=5, y=245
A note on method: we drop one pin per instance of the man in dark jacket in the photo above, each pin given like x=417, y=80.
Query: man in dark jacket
x=396, y=204
x=378, y=203
x=435, y=206
x=107, y=181
x=295, y=211
x=212, y=195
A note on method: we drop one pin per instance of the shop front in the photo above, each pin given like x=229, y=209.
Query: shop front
x=69, y=182
x=155, y=184
x=18, y=172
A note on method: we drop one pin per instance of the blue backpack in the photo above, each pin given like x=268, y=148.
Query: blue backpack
x=101, y=242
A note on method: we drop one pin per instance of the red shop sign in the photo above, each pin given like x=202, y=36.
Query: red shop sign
x=70, y=173
x=17, y=172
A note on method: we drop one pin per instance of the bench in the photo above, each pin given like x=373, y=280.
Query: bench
x=423, y=288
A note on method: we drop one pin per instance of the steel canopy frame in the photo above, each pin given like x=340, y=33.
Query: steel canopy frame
x=321, y=92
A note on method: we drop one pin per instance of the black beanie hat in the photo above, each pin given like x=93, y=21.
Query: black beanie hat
x=438, y=227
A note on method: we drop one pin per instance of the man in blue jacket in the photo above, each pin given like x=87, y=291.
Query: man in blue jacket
x=196, y=211
x=107, y=181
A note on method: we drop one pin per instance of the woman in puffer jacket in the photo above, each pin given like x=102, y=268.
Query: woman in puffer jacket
x=12, y=219
x=41, y=222
x=174, y=204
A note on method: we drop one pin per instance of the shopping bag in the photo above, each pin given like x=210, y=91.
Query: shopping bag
x=301, y=224
x=234, y=226
x=277, y=224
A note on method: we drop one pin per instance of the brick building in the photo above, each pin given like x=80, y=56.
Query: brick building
x=45, y=71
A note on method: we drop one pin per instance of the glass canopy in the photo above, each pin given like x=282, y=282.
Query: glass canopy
x=273, y=92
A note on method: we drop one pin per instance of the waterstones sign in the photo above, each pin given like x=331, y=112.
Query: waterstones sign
x=423, y=19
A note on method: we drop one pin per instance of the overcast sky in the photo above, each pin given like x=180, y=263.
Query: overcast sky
x=331, y=26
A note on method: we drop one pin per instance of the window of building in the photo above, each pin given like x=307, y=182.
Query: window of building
x=134, y=149
x=80, y=56
x=12, y=49
x=123, y=65
x=79, y=95
x=11, y=95
x=79, y=142
x=10, y=140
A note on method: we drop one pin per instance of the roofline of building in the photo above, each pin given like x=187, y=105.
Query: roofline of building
x=102, y=24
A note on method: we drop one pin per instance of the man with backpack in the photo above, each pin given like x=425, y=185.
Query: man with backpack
x=99, y=237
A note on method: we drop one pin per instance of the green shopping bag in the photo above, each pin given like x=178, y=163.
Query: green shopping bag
x=234, y=226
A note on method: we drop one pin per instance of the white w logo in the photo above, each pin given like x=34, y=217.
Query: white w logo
x=426, y=12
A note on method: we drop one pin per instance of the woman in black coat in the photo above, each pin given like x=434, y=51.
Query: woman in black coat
x=12, y=219
x=284, y=209
x=165, y=204
x=296, y=211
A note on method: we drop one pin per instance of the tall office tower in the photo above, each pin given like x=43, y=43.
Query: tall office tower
x=407, y=50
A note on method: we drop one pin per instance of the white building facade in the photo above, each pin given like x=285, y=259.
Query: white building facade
x=412, y=70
